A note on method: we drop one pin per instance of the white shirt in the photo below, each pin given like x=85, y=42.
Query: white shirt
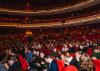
x=69, y=59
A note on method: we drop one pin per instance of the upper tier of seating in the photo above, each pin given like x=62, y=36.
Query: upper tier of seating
x=35, y=5
x=4, y=18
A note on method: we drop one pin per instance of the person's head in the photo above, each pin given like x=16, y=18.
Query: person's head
x=9, y=52
x=55, y=50
x=62, y=56
x=85, y=57
x=48, y=59
x=76, y=45
x=94, y=58
x=78, y=54
x=34, y=52
x=70, y=45
x=85, y=54
x=81, y=47
x=95, y=50
x=37, y=53
x=26, y=50
x=68, y=54
x=42, y=55
x=10, y=62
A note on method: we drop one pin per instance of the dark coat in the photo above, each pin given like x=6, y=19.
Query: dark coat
x=15, y=67
x=53, y=66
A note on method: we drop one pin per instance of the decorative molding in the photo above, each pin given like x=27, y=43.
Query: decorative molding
x=85, y=20
x=53, y=11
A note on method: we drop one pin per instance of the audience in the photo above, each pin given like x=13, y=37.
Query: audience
x=56, y=49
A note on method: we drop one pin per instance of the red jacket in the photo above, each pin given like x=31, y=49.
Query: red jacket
x=24, y=63
x=97, y=64
x=60, y=65
x=70, y=68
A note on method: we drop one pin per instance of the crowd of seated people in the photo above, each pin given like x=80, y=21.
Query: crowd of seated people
x=72, y=49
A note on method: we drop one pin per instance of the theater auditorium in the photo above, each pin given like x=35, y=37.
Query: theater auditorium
x=49, y=35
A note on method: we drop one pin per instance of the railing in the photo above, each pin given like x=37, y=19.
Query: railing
x=79, y=21
x=52, y=11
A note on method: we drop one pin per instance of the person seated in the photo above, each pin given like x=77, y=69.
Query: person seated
x=60, y=62
x=70, y=68
x=52, y=64
x=86, y=63
x=96, y=63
